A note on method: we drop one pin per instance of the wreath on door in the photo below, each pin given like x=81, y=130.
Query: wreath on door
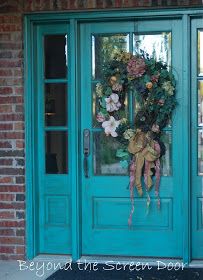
x=150, y=86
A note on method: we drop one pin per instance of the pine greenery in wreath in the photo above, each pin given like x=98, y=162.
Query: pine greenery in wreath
x=153, y=87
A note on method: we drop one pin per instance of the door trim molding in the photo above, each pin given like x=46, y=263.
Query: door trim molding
x=30, y=20
x=186, y=22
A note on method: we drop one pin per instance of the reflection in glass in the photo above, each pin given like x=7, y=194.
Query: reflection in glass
x=200, y=53
x=166, y=160
x=200, y=152
x=156, y=45
x=55, y=105
x=56, y=152
x=200, y=103
x=103, y=49
x=55, y=53
x=104, y=159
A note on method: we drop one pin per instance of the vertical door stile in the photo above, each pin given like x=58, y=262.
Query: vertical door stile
x=40, y=135
x=197, y=138
x=186, y=105
x=29, y=43
x=74, y=147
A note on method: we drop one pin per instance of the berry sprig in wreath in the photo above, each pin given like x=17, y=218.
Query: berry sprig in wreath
x=152, y=86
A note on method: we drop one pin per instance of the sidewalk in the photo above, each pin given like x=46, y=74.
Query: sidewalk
x=10, y=270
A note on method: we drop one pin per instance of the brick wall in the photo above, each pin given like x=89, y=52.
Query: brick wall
x=12, y=189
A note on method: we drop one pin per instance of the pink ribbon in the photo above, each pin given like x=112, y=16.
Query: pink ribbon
x=132, y=184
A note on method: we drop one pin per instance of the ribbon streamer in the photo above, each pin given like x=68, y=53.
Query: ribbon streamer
x=146, y=153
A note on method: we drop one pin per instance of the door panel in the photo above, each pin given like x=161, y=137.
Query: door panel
x=197, y=138
x=52, y=128
x=105, y=194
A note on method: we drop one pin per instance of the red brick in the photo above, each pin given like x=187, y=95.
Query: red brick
x=12, y=153
x=12, y=240
x=20, y=250
x=20, y=179
x=72, y=4
x=11, y=117
x=10, y=27
x=12, y=257
x=19, y=108
x=10, y=46
x=11, y=81
x=5, y=161
x=7, y=215
x=16, y=37
x=17, y=73
x=118, y=3
x=99, y=4
x=5, y=144
x=20, y=232
x=11, y=171
x=5, y=180
x=12, y=188
x=5, y=54
x=19, y=126
x=6, y=126
x=5, y=37
x=11, y=135
x=13, y=205
x=19, y=90
x=6, y=109
x=11, y=99
x=20, y=144
x=5, y=72
x=10, y=63
x=6, y=249
x=11, y=224
x=10, y=19
x=6, y=90
x=6, y=197
x=7, y=232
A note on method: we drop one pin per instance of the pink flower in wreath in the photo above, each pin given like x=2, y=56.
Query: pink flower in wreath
x=100, y=117
x=161, y=102
x=155, y=128
x=136, y=67
x=117, y=87
x=110, y=127
x=112, y=103
x=155, y=78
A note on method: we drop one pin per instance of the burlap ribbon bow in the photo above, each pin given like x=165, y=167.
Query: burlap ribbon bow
x=146, y=153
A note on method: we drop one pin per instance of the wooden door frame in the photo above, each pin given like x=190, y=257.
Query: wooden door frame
x=75, y=18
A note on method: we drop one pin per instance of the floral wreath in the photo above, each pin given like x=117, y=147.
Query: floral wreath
x=153, y=88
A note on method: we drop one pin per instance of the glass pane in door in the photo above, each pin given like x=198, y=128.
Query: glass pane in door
x=156, y=45
x=56, y=152
x=200, y=52
x=55, y=50
x=104, y=156
x=103, y=48
x=55, y=104
x=200, y=103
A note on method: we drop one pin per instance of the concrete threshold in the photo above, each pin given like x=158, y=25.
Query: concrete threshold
x=39, y=268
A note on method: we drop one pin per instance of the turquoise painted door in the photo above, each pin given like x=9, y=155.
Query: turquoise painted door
x=105, y=194
x=197, y=138
x=53, y=125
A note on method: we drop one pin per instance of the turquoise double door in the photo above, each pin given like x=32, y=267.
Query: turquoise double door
x=81, y=194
